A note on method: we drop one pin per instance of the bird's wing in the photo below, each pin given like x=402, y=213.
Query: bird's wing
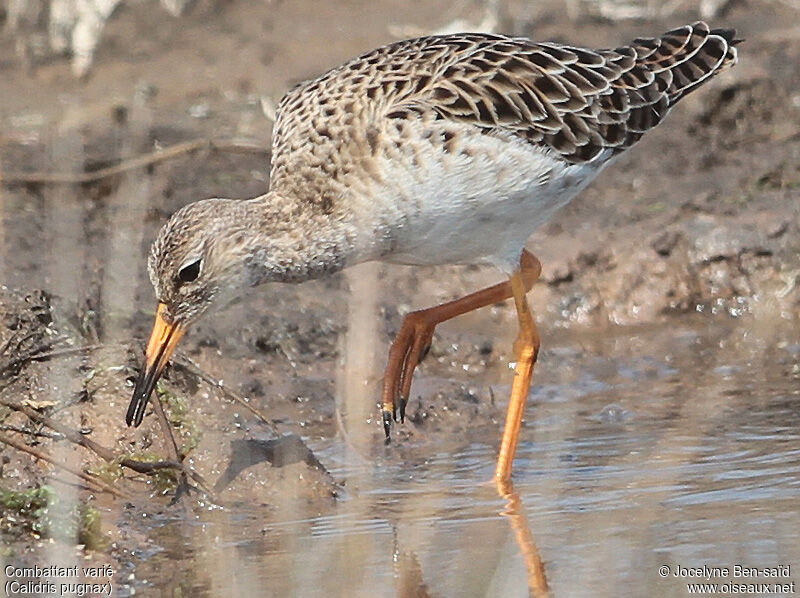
x=575, y=101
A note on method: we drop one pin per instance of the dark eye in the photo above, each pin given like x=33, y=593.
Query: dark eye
x=190, y=272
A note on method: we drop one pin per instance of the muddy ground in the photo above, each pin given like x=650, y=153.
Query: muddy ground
x=696, y=229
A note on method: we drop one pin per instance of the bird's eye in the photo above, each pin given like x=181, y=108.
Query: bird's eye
x=190, y=272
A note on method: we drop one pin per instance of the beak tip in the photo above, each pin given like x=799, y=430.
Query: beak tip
x=163, y=340
x=135, y=409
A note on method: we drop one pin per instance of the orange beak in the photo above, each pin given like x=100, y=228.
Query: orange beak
x=160, y=347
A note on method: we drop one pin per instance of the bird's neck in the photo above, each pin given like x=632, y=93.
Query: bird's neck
x=293, y=240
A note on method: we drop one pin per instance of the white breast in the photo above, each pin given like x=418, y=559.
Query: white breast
x=477, y=203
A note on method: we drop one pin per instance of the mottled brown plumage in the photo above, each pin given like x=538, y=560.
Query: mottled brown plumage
x=442, y=149
x=573, y=101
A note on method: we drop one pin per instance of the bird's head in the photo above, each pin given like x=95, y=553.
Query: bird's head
x=199, y=254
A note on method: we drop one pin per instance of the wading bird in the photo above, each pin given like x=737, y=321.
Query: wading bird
x=447, y=149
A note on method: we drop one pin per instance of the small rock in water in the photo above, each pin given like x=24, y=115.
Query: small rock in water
x=726, y=370
x=613, y=414
x=201, y=110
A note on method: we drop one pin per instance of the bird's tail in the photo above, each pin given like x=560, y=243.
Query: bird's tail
x=685, y=58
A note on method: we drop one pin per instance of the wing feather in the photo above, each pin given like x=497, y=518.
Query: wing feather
x=575, y=101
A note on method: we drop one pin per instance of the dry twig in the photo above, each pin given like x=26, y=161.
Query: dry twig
x=188, y=365
x=172, y=446
x=76, y=437
x=92, y=481
x=43, y=352
x=160, y=155
x=104, y=453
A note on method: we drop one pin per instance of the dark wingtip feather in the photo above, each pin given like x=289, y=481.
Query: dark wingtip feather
x=690, y=69
x=728, y=34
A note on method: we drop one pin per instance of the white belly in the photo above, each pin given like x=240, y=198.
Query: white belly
x=473, y=206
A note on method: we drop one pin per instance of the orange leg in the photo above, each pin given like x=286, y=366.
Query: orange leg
x=416, y=332
x=526, y=349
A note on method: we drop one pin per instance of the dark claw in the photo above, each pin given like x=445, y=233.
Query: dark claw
x=403, y=403
x=387, y=424
x=424, y=353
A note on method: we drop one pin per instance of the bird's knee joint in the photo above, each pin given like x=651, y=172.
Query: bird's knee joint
x=418, y=320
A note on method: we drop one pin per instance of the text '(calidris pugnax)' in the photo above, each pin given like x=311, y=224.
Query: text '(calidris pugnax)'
x=446, y=149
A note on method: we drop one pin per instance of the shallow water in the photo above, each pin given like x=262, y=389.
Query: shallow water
x=681, y=456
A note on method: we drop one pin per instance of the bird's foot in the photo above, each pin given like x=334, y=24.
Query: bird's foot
x=390, y=414
x=410, y=346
